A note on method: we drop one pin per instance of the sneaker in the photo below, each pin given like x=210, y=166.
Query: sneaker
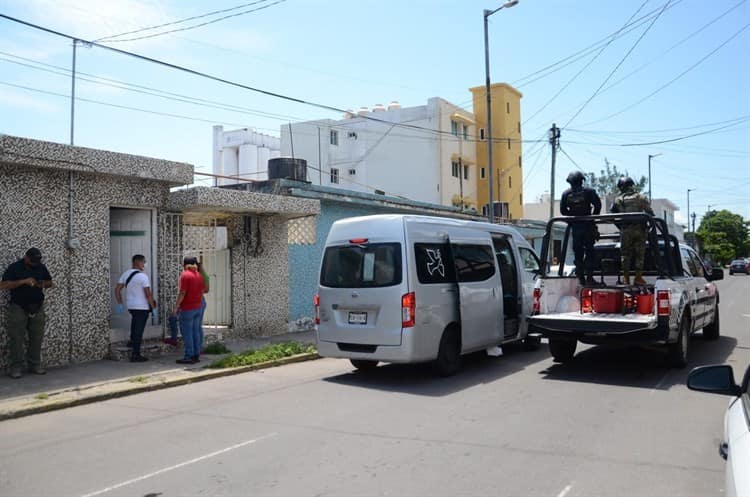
x=196, y=359
x=38, y=370
x=184, y=361
x=15, y=374
x=138, y=358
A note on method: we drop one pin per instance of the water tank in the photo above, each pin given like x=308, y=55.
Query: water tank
x=287, y=168
x=394, y=105
x=379, y=108
x=362, y=111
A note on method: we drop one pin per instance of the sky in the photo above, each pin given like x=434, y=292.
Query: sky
x=617, y=76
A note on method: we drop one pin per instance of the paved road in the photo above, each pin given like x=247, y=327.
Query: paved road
x=612, y=423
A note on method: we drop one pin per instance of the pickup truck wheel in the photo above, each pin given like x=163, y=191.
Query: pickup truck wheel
x=448, y=361
x=532, y=342
x=364, y=364
x=562, y=350
x=677, y=352
x=712, y=331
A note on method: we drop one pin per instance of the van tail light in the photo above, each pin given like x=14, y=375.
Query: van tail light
x=408, y=310
x=587, y=300
x=663, y=302
x=316, y=302
x=537, y=305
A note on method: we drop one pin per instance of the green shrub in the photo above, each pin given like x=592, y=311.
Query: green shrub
x=216, y=348
x=268, y=353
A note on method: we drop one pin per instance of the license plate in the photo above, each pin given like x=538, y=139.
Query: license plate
x=357, y=318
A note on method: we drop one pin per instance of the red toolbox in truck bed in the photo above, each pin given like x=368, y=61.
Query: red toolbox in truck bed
x=607, y=300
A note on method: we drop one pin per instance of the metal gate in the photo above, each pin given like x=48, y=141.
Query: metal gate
x=201, y=236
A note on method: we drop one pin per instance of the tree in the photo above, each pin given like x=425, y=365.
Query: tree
x=724, y=235
x=606, y=182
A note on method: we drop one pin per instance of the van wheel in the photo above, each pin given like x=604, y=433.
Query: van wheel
x=562, y=350
x=532, y=342
x=448, y=361
x=712, y=331
x=364, y=364
x=677, y=352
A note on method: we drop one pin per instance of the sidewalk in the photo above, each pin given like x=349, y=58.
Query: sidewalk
x=67, y=386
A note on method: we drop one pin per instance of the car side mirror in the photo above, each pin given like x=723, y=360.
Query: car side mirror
x=714, y=379
x=716, y=273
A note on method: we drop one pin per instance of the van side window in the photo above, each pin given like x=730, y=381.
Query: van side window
x=433, y=263
x=473, y=262
x=361, y=266
x=529, y=260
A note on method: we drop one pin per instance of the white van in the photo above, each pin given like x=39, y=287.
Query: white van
x=404, y=289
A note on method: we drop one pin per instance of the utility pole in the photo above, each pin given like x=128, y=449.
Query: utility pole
x=73, y=94
x=693, y=218
x=554, y=140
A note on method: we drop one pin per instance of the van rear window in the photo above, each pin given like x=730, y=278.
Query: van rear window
x=362, y=266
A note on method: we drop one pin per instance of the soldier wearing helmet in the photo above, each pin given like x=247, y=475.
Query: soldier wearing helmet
x=633, y=236
x=579, y=200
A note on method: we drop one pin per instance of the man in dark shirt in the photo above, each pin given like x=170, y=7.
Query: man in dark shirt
x=26, y=279
x=579, y=200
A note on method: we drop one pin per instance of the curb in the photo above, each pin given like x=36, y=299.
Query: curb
x=63, y=399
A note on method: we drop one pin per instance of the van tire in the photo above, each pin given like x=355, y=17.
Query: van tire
x=677, y=352
x=562, y=350
x=448, y=360
x=712, y=331
x=364, y=364
x=532, y=342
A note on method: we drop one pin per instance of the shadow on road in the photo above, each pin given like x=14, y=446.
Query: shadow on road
x=419, y=379
x=638, y=367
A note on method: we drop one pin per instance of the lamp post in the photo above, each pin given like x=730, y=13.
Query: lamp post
x=488, y=13
x=650, y=156
x=688, y=212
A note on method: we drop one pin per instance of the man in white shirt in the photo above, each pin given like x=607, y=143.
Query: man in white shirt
x=139, y=303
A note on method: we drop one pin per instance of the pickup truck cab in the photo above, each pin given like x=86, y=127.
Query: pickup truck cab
x=407, y=289
x=679, y=299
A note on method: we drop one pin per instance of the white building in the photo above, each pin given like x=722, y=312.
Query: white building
x=243, y=154
x=662, y=208
x=388, y=150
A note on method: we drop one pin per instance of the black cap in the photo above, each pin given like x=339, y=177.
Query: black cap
x=190, y=260
x=34, y=255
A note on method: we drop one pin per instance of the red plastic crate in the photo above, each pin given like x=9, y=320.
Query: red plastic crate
x=607, y=300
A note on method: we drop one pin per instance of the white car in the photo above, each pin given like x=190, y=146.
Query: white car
x=735, y=447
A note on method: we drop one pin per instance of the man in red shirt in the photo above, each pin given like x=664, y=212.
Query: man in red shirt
x=188, y=305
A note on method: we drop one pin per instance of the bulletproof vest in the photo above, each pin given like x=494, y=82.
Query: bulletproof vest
x=631, y=202
x=578, y=203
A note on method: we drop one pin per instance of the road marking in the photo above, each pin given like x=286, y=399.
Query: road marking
x=170, y=468
x=565, y=490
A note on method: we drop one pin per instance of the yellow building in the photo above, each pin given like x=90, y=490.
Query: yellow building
x=506, y=150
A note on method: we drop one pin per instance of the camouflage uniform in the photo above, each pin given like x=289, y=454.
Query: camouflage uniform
x=633, y=236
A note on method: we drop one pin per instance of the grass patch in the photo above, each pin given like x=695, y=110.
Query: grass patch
x=268, y=353
x=41, y=396
x=138, y=379
x=216, y=348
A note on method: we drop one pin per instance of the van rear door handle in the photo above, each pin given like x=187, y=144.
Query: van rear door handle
x=448, y=290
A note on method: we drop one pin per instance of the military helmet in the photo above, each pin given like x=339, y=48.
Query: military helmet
x=624, y=183
x=575, y=178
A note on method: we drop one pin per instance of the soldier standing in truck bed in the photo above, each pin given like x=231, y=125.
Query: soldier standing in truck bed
x=633, y=236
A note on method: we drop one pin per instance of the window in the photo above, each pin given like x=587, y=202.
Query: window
x=507, y=107
x=481, y=173
x=688, y=263
x=510, y=181
x=334, y=175
x=473, y=262
x=520, y=199
x=334, y=137
x=352, y=172
x=519, y=127
x=529, y=260
x=454, y=169
x=360, y=266
x=697, y=264
x=454, y=128
x=466, y=132
x=481, y=133
x=433, y=263
x=508, y=143
x=519, y=161
x=466, y=172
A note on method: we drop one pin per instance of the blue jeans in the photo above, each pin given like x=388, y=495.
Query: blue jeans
x=200, y=332
x=137, y=325
x=190, y=329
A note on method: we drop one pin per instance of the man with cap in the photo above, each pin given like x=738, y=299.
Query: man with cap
x=26, y=279
x=579, y=200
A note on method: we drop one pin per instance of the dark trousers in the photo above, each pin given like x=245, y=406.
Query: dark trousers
x=20, y=324
x=583, y=249
x=137, y=325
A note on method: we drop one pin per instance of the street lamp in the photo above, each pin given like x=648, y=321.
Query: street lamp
x=486, y=14
x=650, y=156
x=688, y=211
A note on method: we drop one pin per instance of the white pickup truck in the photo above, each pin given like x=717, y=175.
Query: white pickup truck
x=680, y=297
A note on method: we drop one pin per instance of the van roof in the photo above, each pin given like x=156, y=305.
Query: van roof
x=381, y=221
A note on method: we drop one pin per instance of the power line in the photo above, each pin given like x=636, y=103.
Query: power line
x=679, y=138
x=109, y=40
x=593, y=132
x=668, y=83
x=619, y=63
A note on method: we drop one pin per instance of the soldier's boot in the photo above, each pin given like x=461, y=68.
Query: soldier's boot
x=639, y=279
x=626, y=278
